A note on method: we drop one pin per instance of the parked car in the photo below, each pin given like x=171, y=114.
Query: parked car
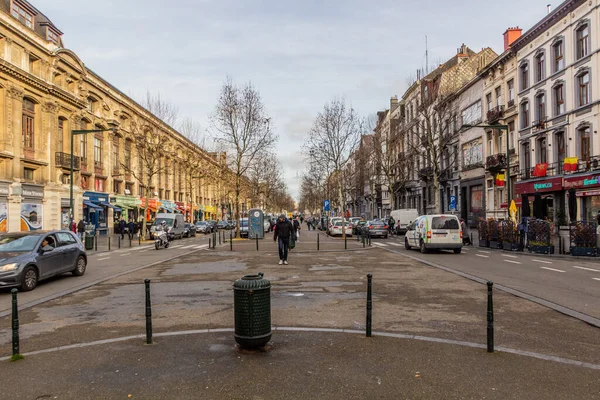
x=212, y=224
x=223, y=225
x=375, y=229
x=30, y=257
x=174, y=222
x=357, y=229
x=244, y=227
x=404, y=217
x=202, y=227
x=189, y=230
x=440, y=231
x=335, y=227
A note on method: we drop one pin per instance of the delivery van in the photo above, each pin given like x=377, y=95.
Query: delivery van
x=403, y=219
x=174, y=222
x=440, y=232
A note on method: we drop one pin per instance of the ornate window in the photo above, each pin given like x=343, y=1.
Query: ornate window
x=540, y=66
x=540, y=107
x=525, y=120
x=28, y=124
x=583, y=88
x=585, y=143
x=524, y=75
x=558, y=92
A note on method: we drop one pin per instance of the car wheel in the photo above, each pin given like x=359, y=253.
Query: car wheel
x=385, y=237
x=80, y=265
x=156, y=245
x=406, y=245
x=422, y=247
x=29, y=280
x=457, y=251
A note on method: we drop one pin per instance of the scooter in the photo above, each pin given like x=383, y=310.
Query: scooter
x=161, y=239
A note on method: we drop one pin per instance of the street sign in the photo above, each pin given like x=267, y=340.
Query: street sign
x=452, y=203
x=326, y=205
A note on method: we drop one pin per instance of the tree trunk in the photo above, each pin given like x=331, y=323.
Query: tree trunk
x=436, y=188
x=237, y=206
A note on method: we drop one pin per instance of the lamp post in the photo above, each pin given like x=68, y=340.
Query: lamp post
x=73, y=134
x=505, y=128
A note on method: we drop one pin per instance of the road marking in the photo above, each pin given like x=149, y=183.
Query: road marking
x=596, y=279
x=395, y=244
x=552, y=269
x=380, y=244
x=189, y=246
x=508, y=255
x=586, y=269
x=201, y=246
x=541, y=261
x=136, y=248
x=481, y=255
x=482, y=251
x=126, y=254
x=102, y=259
x=512, y=262
x=176, y=246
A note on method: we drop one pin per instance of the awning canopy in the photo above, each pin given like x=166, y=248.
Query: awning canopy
x=91, y=205
x=105, y=204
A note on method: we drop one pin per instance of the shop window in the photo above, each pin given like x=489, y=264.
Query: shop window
x=28, y=124
x=28, y=174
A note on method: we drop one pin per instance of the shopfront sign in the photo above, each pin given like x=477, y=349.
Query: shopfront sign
x=583, y=181
x=4, y=190
x=96, y=197
x=546, y=185
x=32, y=191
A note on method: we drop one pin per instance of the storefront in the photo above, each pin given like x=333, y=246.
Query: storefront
x=167, y=206
x=151, y=208
x=587, y=190
x=210, y=212
x=551, y=190
x=472, y=200
x=183, y=208
x=65, y=214
x=96, y=208
x=4, y=207
x=32, y=209
x=128, y=205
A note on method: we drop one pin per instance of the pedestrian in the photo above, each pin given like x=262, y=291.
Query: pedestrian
x=284, y=232
x=81, y=229
x=122, y=228
x=465, y=233
x=131, y=227
x=391, y=225
x=73, y=226
x=296, y=224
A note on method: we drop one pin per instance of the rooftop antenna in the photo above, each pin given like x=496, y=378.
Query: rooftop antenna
x=426, y=57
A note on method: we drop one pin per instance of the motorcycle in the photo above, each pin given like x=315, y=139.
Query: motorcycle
x=161, y=239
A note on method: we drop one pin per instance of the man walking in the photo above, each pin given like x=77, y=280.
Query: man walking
x=284, y=230
x=81, y=229
x=122, y=228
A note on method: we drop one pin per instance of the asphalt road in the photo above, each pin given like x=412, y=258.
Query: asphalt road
x=571, y=283
x=101, y=266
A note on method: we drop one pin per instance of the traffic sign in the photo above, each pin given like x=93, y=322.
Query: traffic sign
x=452, y=206
x=326, y=205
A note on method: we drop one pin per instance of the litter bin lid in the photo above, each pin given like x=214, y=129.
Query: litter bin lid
x=252, y=282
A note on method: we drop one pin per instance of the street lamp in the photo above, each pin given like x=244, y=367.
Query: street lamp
x=500, y=127
x=73, y=134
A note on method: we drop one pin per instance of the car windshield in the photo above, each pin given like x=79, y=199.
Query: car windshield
x=18, y=243
x=159, y=221
x=444, y=223
x=201, y=223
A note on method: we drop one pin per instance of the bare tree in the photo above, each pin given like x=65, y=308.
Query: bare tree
x=242, y=126
x=333, y=137
x=163, y=110
x=193, y=131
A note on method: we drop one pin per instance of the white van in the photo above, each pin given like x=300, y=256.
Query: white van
x=403, y=219
x=174, y=222
x=440, y=231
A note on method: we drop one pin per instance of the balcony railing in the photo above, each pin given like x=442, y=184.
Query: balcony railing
x=495, y=114
x=496, y=162
x=426, y=173
x=511, y=103
x=557, y=168
x=539, y=124
x=63, y=160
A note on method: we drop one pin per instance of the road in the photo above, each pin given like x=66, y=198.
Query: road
x=102, y=266
x=571, y=283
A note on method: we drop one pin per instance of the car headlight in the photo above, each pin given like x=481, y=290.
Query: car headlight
x=9, y=267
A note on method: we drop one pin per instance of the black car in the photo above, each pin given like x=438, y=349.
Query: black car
x=223, y=225
x=189, y=230
x=29, y=257
x=213, y=225
x=203, y=227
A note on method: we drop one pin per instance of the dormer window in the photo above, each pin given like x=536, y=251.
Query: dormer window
x=22, y=14
x=51, y=36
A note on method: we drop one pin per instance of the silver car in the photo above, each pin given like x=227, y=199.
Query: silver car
x=29, y=257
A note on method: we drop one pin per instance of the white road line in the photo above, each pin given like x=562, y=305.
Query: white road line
x=201, y=246
x=102, y=259
x=512, y=262
x=126, y=254
x=395, y=244
x=380, y=244
x=552, y=269
x=586, y=269
x=136, y=248
x=482, y=251
x=508, y=255
x=596, y=279
x=176, y=246
x=481, y=255
x=542, y=261
x=189, y=246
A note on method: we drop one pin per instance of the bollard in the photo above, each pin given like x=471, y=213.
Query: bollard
x=96, y=243
x=16, y=355
x=214, y=240
x=318, y=241
x=560, y=247
x=119, y=237
x=219, y=238
x=108, y=242
x=230, y=241
x=345, y=242
x=139, y=240
x=363, y=241
x=257, y=243
x=369, y=304
x=148, y=313
x=129, y=241
x=490, y=320
x=471, y=238
x=209, y=243
x=370, y=239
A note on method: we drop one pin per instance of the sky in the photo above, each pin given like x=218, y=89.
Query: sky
x=298, y=54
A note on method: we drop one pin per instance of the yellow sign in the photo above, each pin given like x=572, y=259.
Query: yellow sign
x=513, y=211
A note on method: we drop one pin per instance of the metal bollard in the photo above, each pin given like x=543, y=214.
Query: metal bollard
x=209, y=243
x=345, y=242
x=318, y=241
x=219, y=238
x=109, y=243
x=471, y=238
x=129, y=241
x=257, y=243
x=96, y=243
x=490, y=320
x=139, y=240
x=16, y=355
x=560, y=247
x=370, y=244
x=119, y=237
x=148, y=313
x=369, y=304
x=230, y=241
x=363, y=241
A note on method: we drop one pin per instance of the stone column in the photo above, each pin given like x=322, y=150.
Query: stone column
x=13, y=138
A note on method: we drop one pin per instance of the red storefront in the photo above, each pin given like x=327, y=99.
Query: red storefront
x=587, y=190
x=551, y=190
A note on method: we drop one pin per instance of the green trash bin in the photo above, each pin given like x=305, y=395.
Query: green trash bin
x=89, y=242
x=252, y=310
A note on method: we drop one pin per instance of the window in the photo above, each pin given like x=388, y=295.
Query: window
x=585, y=147
x=582, y=35
x=28, y=124
x=51, y=36
x=65, y=238
x=526, y=159
x=559, y=145
x=28, y=174
x=583, y=85
x=488, y=100
x=540, y=64
x=91, y=104
x=61, y=134
x=97, y=151
x=558, y=51
x=559, y=99
x=525, y=121
x=490, y=146
x=115, y=155
x=129, y=188
x=498, y=96
x=511, y=92
x=471, y=114
x=83, y=143
x=542, y=151
x=24, y=16
x=99, y=184
x=511, y=130
x=540, y=107
x=127, y=155
x=116, y=186
x=524, y=73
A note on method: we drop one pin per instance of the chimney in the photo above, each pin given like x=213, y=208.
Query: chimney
x=463, y=53
x=393, y=103
x=549, y=6
x=511, y=35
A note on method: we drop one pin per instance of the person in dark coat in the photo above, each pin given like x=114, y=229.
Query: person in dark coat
x=122, y=228
x=131, y=227
x=296, y=228
x=81, y=229
x=284, y=231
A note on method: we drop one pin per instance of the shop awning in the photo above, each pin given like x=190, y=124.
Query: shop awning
x=105, y=204
x=91, y=205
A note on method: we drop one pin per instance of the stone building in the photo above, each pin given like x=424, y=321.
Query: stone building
x=46, y=92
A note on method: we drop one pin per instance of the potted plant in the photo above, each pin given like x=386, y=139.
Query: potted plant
x=510, y=236
x=583, y=239
x=494, y=234
x=482, y=227
x=538, y=237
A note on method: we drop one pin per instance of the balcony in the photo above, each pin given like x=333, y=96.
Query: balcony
x=63, y=160
x=496, y=162
x=494, y=115
x=446, y=175
x=539, y=125
x=511, y=103
x=554, y=169
x=426, y=173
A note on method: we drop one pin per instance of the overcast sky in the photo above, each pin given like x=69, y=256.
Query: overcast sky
x=299, y=54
